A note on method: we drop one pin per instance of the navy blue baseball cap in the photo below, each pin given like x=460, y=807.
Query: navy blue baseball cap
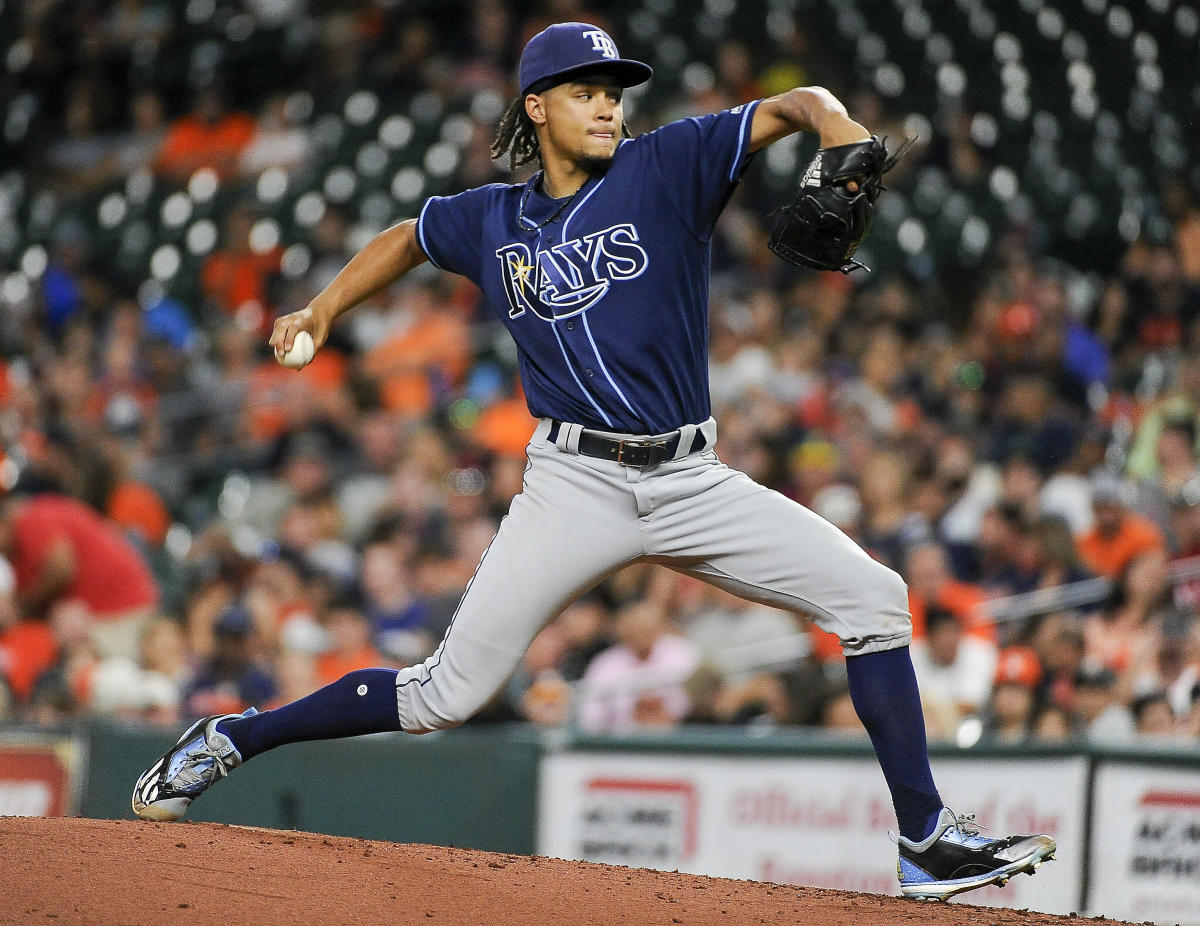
x=564, y=50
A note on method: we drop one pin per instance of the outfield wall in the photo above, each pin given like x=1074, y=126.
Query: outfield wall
x=791, y=807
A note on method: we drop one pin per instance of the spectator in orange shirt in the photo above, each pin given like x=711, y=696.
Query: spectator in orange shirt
x=350, y=643
x=1124, y=635
x=209, y=136
x=427, y=357
x=138, y=509
x=27, y=647
x=931, y=584
x=1014, y=691
x=279, y=400
x=238, y=278
x=1118, y=536
x=504, y=425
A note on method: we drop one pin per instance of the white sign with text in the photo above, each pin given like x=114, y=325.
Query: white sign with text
x=1146, y=844
x=815, y=822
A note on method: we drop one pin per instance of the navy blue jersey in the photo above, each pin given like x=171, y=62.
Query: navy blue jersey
x=608, y=302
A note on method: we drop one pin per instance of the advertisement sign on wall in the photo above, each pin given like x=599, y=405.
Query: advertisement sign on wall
x=39, y=777
x=812, y=821
x=1146, y=844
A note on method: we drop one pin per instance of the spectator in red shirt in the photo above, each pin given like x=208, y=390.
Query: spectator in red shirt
x=61, y=548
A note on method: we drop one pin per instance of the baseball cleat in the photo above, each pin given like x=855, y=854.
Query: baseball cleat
x=955, y=858
x=199, y=758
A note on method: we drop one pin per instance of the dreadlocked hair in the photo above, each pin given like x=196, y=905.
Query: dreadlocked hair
x=517, y=137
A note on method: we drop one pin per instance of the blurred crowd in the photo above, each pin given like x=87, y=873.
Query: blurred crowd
x=188, y=528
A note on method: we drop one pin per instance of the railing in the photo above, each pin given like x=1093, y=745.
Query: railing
x=787, y=651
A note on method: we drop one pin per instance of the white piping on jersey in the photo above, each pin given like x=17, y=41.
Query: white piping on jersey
x=421, y=234
x=586, y=328
x=554, y=325
x=603, y=369
x=587, y=395
x=737, y=157
x=571, y=214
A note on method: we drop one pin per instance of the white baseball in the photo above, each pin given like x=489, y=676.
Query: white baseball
x=301, y=353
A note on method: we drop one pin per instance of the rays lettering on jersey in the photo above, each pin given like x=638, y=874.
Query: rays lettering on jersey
x=570, y=277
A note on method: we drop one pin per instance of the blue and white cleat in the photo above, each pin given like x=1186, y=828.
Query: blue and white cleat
x=955, y=858
x=199, y=758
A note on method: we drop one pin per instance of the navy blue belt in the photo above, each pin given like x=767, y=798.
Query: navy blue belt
x=632, y=451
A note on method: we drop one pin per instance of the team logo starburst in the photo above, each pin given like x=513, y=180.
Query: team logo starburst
x=521, y=269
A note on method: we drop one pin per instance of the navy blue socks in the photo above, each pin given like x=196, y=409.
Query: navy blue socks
x=358, y=703
x=883, y=688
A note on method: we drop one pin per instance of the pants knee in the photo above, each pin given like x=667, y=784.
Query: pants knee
x=884, y=620
x=453, y=684
x=426, y=708
x=895, y=589
x=884, y=587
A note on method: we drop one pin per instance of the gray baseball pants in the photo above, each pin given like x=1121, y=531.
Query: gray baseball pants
x=579, y=519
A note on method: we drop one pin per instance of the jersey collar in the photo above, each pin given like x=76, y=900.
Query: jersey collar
x=536, y=210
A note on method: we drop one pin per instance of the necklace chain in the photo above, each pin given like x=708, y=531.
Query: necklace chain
x=522, y=217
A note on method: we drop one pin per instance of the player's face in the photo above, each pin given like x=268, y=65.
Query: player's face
x=584, y=119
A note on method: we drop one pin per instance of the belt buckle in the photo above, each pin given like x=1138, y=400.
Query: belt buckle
x=635, y=443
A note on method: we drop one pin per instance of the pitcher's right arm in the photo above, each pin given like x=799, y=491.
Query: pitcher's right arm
x=389, y=255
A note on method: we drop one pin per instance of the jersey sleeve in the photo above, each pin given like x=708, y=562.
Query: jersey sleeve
x=700, y=161
x=450, y=230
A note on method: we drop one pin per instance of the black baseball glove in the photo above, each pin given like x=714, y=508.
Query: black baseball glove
x=826, y=223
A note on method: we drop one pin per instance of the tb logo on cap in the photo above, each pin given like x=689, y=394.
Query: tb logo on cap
x=602, y=43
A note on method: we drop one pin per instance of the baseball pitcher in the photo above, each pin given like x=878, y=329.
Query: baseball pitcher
x=598, y=265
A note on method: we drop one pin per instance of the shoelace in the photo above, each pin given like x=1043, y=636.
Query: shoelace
x=966, y=825
x=191, y=773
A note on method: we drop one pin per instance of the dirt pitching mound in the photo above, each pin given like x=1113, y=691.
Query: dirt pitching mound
x=129, y=872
